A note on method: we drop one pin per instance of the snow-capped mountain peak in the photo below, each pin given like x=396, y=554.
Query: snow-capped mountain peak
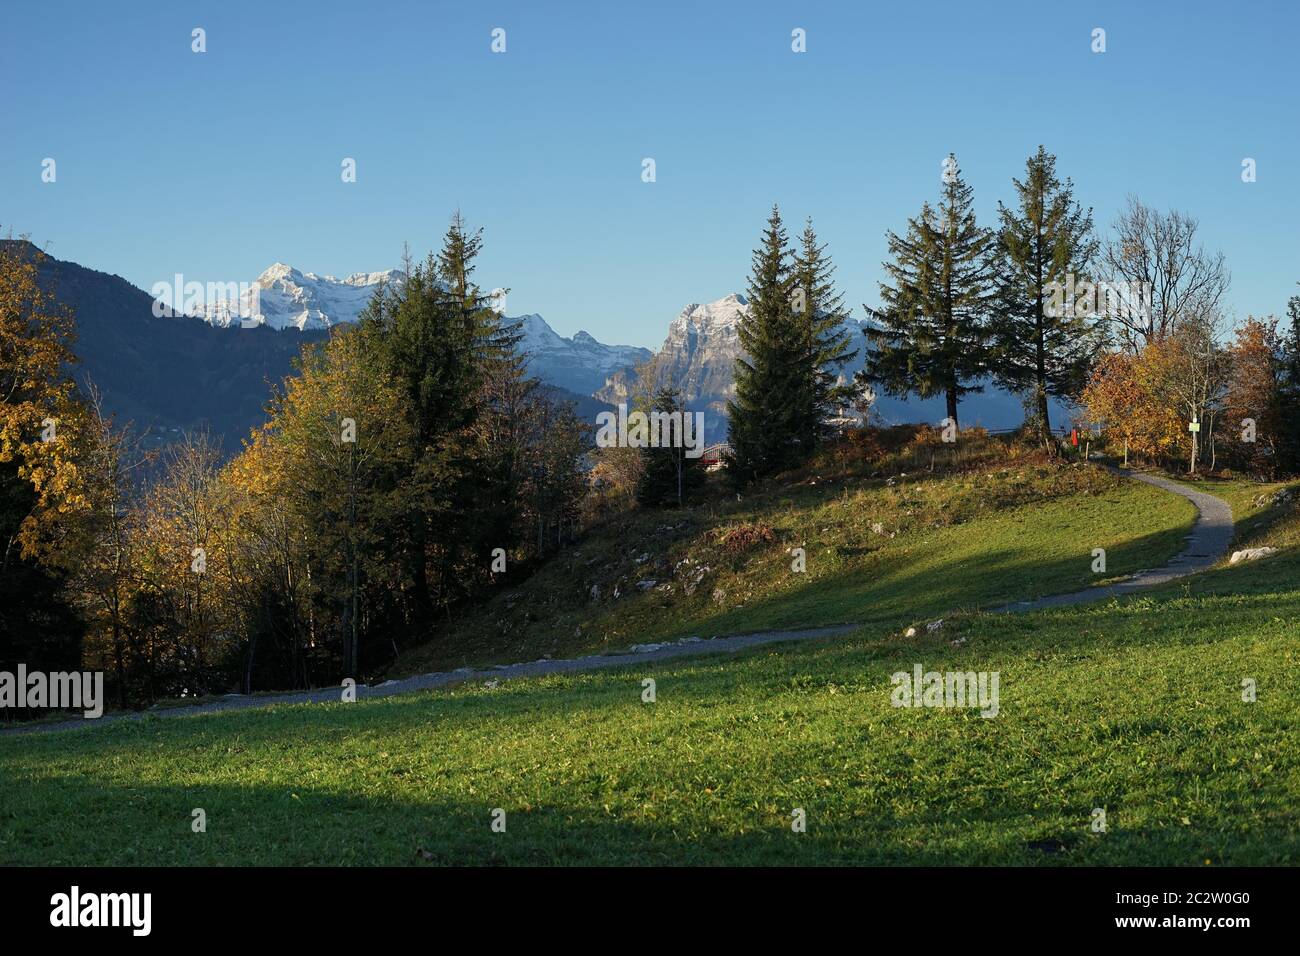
x=277, y=271
x=289, y=298
x=283, y=297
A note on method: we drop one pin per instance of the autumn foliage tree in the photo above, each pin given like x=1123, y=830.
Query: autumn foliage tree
x=1236, y=394
x=42, y=493
x=41, y=414
x=1253, y=403
x=1124, y=396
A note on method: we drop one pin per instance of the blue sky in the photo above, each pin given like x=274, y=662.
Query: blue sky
x=216, y=165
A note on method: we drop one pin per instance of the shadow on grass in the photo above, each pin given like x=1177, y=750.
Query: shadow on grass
x=81, y=822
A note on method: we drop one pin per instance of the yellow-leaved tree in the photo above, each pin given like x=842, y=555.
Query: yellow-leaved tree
x=41, y=416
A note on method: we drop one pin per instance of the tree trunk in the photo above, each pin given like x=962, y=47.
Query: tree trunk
x=120, y=663
x=248, y=664
x=421, y=594
x=1044, y=418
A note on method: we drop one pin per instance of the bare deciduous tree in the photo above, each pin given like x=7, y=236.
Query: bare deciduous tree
x=1157, y=253
x=1196, y=379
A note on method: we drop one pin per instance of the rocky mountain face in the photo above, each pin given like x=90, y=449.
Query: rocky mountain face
x=579, y=364
x=698, y=357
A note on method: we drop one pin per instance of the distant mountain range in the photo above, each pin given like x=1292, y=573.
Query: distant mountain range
x=167, y=375
x=211, y=371
x=289, y=299
x=579, y=364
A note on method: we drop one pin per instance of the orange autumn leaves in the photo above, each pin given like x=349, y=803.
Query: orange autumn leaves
x=1142, y=399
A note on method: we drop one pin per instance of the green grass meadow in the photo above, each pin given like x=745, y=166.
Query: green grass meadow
x=1134, y=707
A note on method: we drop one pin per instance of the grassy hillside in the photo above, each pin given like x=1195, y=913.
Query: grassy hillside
x=886, y=546
x=1132, y=706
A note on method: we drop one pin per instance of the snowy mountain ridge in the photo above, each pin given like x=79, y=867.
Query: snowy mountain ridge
x=287, y=298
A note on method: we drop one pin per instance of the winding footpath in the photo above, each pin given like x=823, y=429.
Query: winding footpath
x=1206, y=544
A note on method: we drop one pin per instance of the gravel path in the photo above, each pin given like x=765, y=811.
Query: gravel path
x=639, y=653
x=1207, y=543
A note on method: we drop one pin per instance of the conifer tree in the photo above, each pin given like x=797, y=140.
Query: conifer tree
x=820, y=316
x=931, y=333
x=490, y=482
x=1045, y=345
x=442, y=342
x=668, y=475
x=764, y=422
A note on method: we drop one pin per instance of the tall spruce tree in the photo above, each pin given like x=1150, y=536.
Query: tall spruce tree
x=442, y=341
x=766, y=430
x=820, y=316
x=932, y=333
x=489, y=487
x=1044, y=344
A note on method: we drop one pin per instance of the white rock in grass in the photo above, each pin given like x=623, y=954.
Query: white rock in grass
x=910, y=632
x=1251, y=554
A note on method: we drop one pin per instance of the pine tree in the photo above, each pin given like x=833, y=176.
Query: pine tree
x=668, y=475
x=556, y=479
x=1045, y=346
x=764, y=423
x=932, y=331
x=820, y=314
x=443, y=343
x=490, y=482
